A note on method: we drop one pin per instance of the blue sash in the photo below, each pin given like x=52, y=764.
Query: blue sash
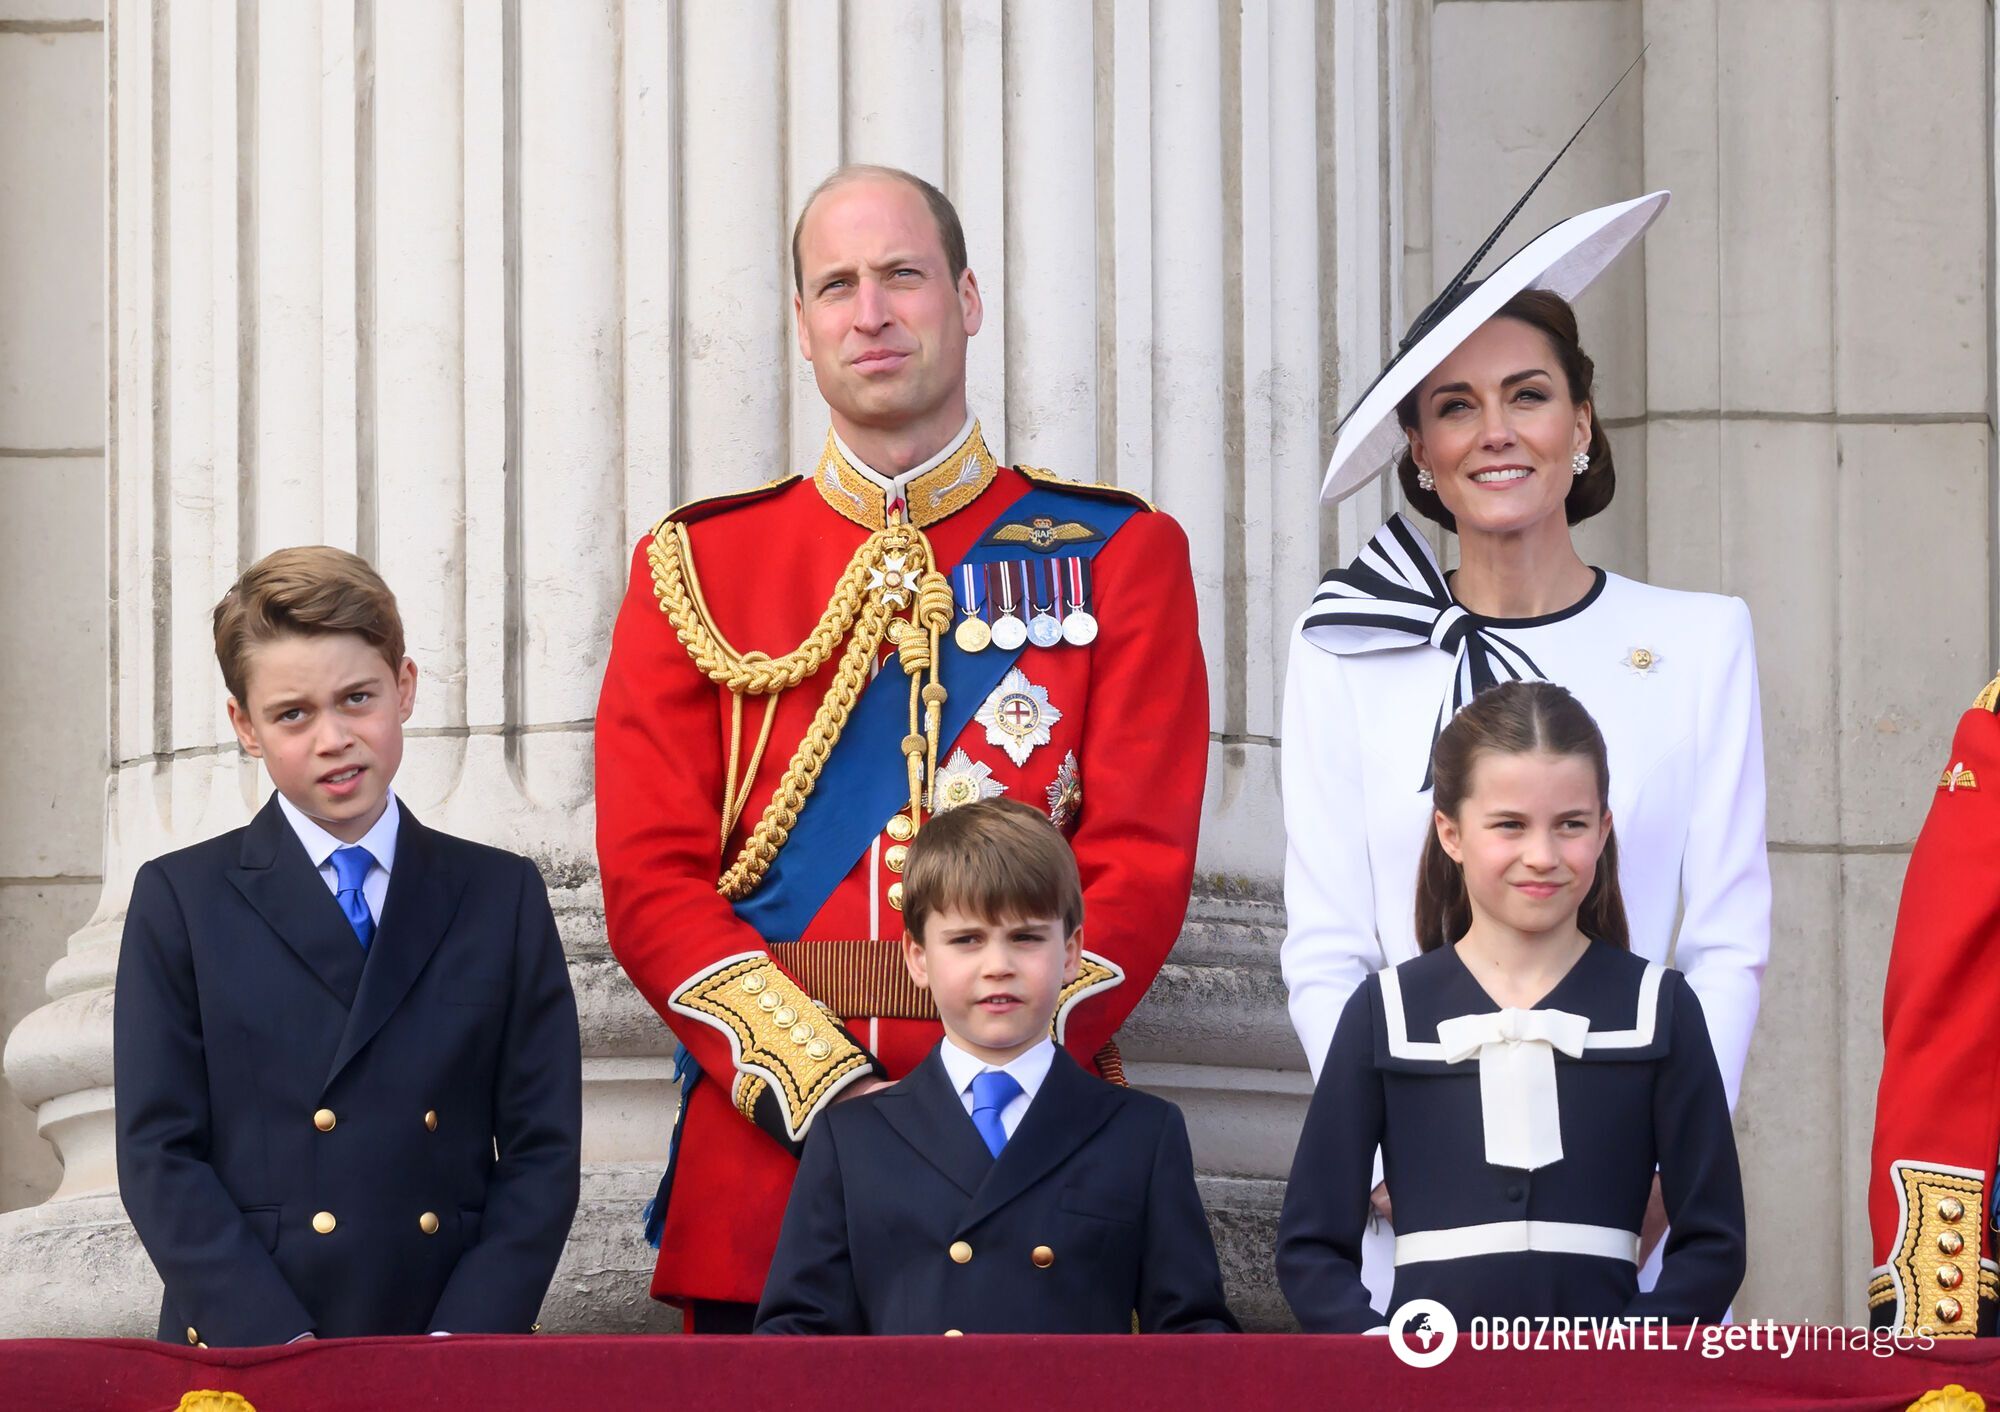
x=863, y=781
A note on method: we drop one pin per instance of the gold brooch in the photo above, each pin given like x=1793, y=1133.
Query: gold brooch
x=1642, y=660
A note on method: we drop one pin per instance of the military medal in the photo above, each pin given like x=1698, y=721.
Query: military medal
x=1066, y=794
x=1043, y=629
x=963, y=780
x=1079, y=628
x=972, y=634
x=1017, y=716
x=1009, y=633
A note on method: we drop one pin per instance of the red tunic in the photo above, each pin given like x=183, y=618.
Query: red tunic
x=1937, y=1114
x=1133, y=710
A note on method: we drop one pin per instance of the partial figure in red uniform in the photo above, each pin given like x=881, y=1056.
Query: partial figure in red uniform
x=803, y=673
x=1930, y=1188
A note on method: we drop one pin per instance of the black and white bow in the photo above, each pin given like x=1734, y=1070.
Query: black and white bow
x=1394, y=596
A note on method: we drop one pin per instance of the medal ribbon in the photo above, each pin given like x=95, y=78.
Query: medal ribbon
x=971, y=602
x=1002, y=589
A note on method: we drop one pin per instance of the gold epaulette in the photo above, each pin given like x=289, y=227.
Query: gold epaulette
x=777, y=1035
x=1989, y=699
x=711, y=504
x=1935, y=1267
x=1089, y=487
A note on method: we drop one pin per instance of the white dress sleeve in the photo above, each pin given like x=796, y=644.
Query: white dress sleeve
x=1725, y=933
x=1330, y=938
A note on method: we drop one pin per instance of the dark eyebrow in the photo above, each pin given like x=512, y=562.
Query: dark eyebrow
x=1507, y=381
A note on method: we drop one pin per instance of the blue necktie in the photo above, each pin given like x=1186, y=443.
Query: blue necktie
x=350, y=867
x=992, y=1091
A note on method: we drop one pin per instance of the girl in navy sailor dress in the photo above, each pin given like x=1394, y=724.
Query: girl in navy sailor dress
x=1525, y=1074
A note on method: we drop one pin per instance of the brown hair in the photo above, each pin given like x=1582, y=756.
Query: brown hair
x=951, y=234
x=1514, y=718
x=307, y=591
x=997, y=860
x=1551, y=315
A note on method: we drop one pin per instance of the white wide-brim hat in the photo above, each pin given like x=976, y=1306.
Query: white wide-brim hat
x=1564, y=259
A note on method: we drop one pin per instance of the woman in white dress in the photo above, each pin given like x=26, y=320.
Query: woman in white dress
x=1489, y=416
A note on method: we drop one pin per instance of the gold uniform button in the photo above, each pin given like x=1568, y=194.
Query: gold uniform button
x=430, y=1120
x=896, y=857
x=819, y=1050
x=324, y=1223
x=960, y=1252
x=753, y=984
x=1951, y=1208
x=901, y=829
x=428, y=1223
x=1951, y=1242
x=954, y=1333
x=802, y=1034
x=1948, y=1310
x=193, y=1337
x=323, y=1120
x=1043, y=1257
x=785, y=1017
x=1949, y=1276
x=896, y=896
x=769, y=1001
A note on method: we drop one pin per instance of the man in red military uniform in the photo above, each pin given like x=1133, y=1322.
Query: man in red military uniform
x=1937, y=1114
x=803, y=673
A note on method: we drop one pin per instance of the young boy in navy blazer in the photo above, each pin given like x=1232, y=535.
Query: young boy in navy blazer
x=348, y=1071
x=998, y=1188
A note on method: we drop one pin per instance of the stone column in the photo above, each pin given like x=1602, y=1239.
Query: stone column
x=480, y=291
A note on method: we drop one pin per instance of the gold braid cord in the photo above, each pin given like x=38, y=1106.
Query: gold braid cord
x=891, y=579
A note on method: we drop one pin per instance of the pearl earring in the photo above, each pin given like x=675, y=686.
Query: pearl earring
x=1425, y=480
x=1580, y=463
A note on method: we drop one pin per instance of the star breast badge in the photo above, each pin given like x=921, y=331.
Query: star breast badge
x=893, y=581
x=1066, y=794
x=1017, y=716
x=963, y=780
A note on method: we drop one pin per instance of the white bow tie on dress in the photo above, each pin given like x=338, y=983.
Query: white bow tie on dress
x=1517, y=1078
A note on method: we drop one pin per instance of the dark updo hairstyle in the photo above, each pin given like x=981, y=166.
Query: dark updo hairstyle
x=1514, y=718
x=1551, y=315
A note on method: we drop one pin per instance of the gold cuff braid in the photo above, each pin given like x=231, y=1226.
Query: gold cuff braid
x=777, y=1034
x=1936, y=1263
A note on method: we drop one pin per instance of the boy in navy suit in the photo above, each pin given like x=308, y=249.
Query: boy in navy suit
x=998, y=1188
x=348, y=1072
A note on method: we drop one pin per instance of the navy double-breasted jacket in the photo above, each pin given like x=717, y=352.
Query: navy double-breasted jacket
x=901, y=1222
x=317, y=1137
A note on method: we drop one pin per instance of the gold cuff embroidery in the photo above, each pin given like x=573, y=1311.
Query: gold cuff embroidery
x=777, y=1033
x=1094, y=974
x=1881, y=1290
x=1941, y=1216
x=749, y=1088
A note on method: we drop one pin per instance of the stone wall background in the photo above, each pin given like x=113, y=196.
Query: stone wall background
x=481, y=290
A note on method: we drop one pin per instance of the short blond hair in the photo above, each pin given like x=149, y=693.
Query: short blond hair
x=995, y=859
x=307, y=591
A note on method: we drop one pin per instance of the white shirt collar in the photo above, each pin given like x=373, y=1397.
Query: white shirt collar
x=380, y=841
x=1028, y=1069
x=893, y=484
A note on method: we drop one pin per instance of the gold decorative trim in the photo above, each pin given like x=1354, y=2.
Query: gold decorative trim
x=1989, y=699
x=856, y=980
x=1094, y=974
x=746, y=1091
x=776, y=1033
x=891, y=572
x=1881, y=1290
x=1042, y=476
x=700, y=509
x=942, y=491
x=1941, y=1210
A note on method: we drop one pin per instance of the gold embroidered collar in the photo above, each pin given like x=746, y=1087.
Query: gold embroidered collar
x=944, y=489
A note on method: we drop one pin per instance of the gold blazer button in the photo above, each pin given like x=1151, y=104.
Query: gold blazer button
x=428, y=1223
x=960, y=1252
x=323, y=1120
x=1043, y=1257
x=324, y=1223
